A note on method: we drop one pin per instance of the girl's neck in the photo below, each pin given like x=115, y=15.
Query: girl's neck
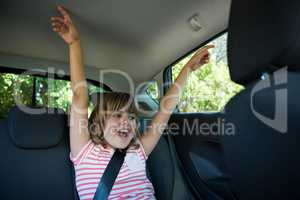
x=109, y=146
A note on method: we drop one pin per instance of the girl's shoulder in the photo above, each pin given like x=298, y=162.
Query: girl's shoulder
x=76, y=159
x=90, y=149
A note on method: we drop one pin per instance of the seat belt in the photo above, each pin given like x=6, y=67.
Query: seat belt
x=110, y=174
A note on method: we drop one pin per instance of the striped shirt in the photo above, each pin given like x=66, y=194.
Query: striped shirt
x=131, y=182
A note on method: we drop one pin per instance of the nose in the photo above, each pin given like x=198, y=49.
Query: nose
x=125, y=119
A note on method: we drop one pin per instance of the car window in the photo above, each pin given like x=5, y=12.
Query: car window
x=210, y=87
x=36, y=91
x=153, y=91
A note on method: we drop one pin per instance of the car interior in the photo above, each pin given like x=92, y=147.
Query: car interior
x=142, y=39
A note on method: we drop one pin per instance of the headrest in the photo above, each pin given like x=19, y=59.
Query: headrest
x=262, y=37
x=31, y=130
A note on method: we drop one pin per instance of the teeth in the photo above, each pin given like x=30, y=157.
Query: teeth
x=123, y=132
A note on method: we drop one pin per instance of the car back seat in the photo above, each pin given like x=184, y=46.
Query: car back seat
x=35, y=159
x=35, y=156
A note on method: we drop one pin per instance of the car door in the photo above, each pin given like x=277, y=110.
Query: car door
x=195, y=130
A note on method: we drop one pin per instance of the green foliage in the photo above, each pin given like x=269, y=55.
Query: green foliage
x=53, y=93
x=37, y=91
x=94, y=89
x=210, y=87
x=152, y=91
x=8, y=83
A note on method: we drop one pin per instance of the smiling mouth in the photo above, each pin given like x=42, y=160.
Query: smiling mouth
x=123, y=133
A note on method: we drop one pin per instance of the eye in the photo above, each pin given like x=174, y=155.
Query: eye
x=132, y=117
x=117, y=115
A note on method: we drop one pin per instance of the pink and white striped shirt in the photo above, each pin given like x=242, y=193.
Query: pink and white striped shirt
x=131, y=182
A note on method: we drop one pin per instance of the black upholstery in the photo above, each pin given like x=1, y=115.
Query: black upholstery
x=38, y=167
x=159, y=166
x=263, y=162
x=263, y=155
x=201, y=152
x=161, y=170
x=39, y=137
x=262, y=34
x=166, y=177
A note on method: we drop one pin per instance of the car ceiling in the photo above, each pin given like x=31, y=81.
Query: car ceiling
x=138, y=37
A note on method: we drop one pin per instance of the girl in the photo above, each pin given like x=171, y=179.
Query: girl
x=112, y=125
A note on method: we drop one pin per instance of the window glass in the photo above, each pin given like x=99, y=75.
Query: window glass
x=36, y=91
x=210, y=87
x=7, y=91
x=153, y=91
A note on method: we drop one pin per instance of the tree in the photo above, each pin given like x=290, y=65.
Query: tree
x=38, y=91
x=209, y=88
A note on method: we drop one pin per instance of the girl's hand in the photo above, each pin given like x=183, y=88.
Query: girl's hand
x=64, y=26
x=200, y=58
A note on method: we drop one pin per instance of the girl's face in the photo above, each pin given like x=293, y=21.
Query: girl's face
x=120, y=129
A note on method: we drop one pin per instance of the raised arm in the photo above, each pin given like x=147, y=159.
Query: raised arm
x=171, y=99
x=65, y=28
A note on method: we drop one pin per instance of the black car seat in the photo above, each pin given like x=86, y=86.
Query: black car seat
x=263, y=156
x=35, y=156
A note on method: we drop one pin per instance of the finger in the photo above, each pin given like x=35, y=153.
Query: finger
x=61, y=20
x=206, y=57
x=57, y=23
x=201, y=54
x=201, y=51
x=205, y=49
x=60, y=23
x=63, y=12
x=55, y=29
x=209, y=46
x=57, y=26
x=55, y=19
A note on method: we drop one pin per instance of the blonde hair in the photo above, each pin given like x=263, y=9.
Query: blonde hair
x=106, y=103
